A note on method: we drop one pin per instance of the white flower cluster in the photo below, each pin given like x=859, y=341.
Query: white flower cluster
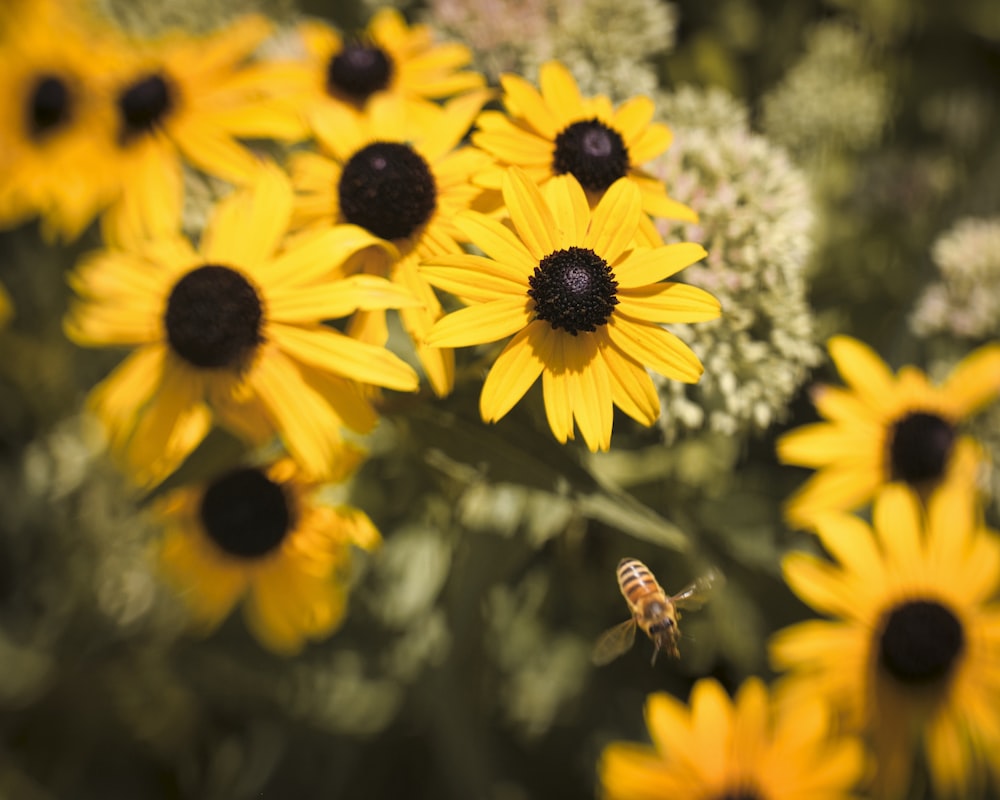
x=608, y=45
x=965, y=302
x=755, y=215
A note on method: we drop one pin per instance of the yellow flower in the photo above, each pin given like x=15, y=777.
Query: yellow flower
x=186, y=100
x=233, y=329
x=56, y=122
x=557, y=131
x=261, y=537
x=755, y=748
x=585, y=308
x=883, y=428
x=389, y=60
x=912, y=655
x=403, y=182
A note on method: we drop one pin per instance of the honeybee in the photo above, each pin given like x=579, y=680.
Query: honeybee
x=652, y=610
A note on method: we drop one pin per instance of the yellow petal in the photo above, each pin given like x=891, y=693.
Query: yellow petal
x=512, y=374
x=862, y=370
x=521, y=99
x=614, y=221
x=669, y=302
x=474, y=278
x=327, y=349
x=530, y=214
x=485, y=322
x=648, y=266
x=339, y=298
x=560, y=93
x=497, y=241
x=655, y=348
x=974, y=383
x=248, y=225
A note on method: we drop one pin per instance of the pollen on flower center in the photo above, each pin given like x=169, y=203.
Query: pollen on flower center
x=49, y=106
x=920, y=642
x=573, y=290
x=213, y=318
x=143, y=105
x=246, y=514
x=388, y=189
x=919, y=447
x=358, y=71
x=592, y=152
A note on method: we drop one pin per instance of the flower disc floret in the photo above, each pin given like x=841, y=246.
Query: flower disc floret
x=358, y=71
x=573, y=290
x=388, y=189
x=920, y=641
x=920, y=445
x=246, y=514
x=143, y=105
x=593, y=153
x=50, y=106
x=213, y=318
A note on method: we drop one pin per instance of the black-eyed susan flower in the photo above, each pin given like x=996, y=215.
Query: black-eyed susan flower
x=403, y=182
x=56, y=121
x=753, y=748
x=261, y=536
x=233, y=330
x=882, y=428
x=912, y=654
x=188, y=100
x=584, y=305
x=557, y=131
x=390, y=59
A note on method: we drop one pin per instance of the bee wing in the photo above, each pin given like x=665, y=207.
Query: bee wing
x=613, y=642
x=694, y=595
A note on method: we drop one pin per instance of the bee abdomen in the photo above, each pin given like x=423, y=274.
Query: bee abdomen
x=635, y=580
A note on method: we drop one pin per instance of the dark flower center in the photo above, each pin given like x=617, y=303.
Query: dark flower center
x=214, y=318
x=919, y=447
x=573, y=289
x=144, y=104
x=358, y=71
x=740, y=794
x=592, y=152
x=246, y=513
x=388, y=189
x=920, y=642
x=50, y=106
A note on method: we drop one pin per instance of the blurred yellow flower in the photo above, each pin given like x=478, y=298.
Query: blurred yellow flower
x=261, y=537
x=187, y=100
x=753, y=748
x=389, y=60
x=233, y=330
x=56, y=120
x=403, y=181
x=912, y=655
x=883, y=428
x=584, y=305
x=557, y=131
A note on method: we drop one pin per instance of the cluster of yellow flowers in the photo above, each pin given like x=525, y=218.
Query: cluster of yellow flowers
x=379, y=173
x=356, y=191
x=909, y=662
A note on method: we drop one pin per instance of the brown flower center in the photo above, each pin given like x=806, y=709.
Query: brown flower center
x=920, y=642
x=573, y=290
x=593, y=153
x=214, y=318
x=246, y=514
